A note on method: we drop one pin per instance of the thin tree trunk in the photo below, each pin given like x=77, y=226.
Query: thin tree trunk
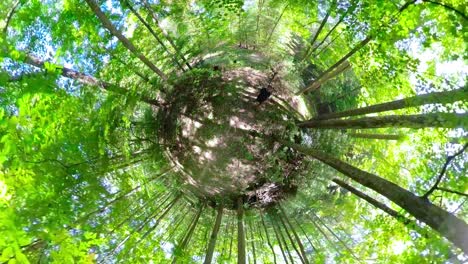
x=214, y=235
x=160, y=218
x=376, y=136
x=276, y=24
x=278, y=239
x=372, y=201
x=232, y=238
x=252, y=242
x=418, y=100
x=296, y=236
x=165, y=34
x=120, y=197
x=283, y=240
x=240, y=232
x=291, y=239
x=317, y=33
x=88, y=80
x=350, y=9
x=447, y=224
x=336, y=236
x=182, y=245
x=126, y=42
x=268, y=239
x=328, y=73
x=445, y=120
x=152, y=32
x=260, y=7
x=305, y=234
x=140, y=227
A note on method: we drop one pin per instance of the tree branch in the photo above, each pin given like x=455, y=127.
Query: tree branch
x=442, y=172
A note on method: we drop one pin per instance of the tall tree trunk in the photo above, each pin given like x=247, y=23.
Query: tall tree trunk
x=252, y=242
x=296, y=236
x=165, y=34
x=140, y=227
x=214, y=235
x=88, y=80
x=183, y=244
x=160, y=217
x=276, y=24
x=317, y=33
x=418, y=100
x=283, y=239
x=153, y=33
x=240, y=232
x=268, y=238
x=374, y=202
x=448, y=225
x=126, y=42
x=291, y=239
x=278, y=239
x=446, y=120
x=328, y=74
x=350, y=9
x=376, y=136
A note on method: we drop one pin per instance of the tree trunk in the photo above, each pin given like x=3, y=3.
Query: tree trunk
x=89, y=80
x=169, y=39
x=376, y=136
x=445, y=120
x=153, y=33
x=372, y=201
x=282, y=238
x=160, y=217
x=326, y=75
x=296, y=236
x=126, y=42
x=317, y=33
x=214, y=235
x=418, y=100
x=278, y=239
x=291, y=239
x=268, y=239
x=189, y=233
x=240, y=232
x=275, y=25
x=350, y=9
x=448, y=225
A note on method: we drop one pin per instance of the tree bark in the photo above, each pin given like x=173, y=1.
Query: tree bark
x=214, y=235
x=240, y=232
x=418, y=100
x=376, y=136
x=447, y=224
x=126, y=42
x=445, y=120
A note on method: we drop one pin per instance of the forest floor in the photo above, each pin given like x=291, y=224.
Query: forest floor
x=211, y=144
